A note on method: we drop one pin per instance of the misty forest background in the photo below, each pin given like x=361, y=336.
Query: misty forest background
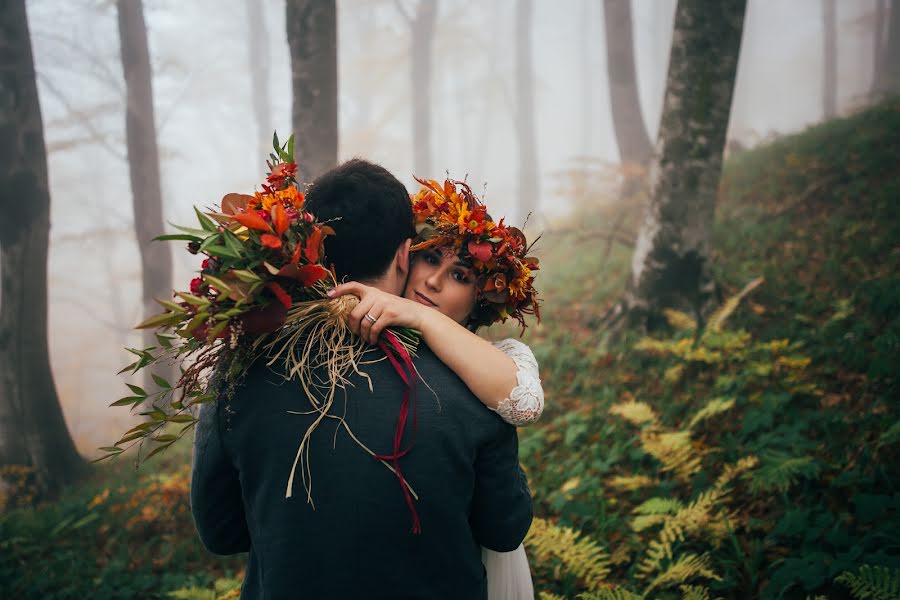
x=716, y=187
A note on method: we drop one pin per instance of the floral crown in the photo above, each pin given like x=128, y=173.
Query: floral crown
x=452, y=216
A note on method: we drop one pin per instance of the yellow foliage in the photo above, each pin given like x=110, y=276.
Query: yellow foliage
x=549, y=596
x=686, y=567
x=680, y=320
x=636, y=413
x=581, y=556
x=675, y=451
x=630, y=483
x=718, y=318
x=713, y=407
x=694, y=592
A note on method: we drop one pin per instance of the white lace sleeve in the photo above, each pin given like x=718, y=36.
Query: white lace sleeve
x=526, y=401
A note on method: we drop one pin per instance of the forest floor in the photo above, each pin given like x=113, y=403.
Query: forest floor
x=758, y=458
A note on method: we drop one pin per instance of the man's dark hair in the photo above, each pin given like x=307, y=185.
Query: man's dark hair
x=370, y=212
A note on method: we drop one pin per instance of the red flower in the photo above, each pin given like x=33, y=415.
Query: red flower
x=196, y=284
x=279, y=292
x=480, y=250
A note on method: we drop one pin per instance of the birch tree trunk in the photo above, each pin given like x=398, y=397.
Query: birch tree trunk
x=528, y=161
x=258, y=47
x=143, y=167
x=890, y=75
x=33, y=431
x=422, y=34
x=671, y=263
x=312, y=37
x=635, y=148
x=829, y=59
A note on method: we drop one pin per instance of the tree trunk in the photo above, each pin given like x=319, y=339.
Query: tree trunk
x=881, y=9
x=312, y=37
x=890, y=80
x=528, y=162
x=258, y=46
x=671, y=263
x=33, y=431
x=829, y=77
x=635, y=148
x=587, y=78
x=143, y=167
x=422, y=26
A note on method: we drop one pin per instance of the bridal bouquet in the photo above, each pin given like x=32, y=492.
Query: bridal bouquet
x=261, y=293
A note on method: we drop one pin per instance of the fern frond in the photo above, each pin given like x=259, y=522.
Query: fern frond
x=675, y=451
x=549, y=596
x=889, y=437
x=875, y=583
x=694, y=592
x=616, y=593
x=686, y=567
x=581, y=556
x=718, y=318
x=679, y=320
x=712, y=408
x=642, y=522
x=630, y=483
x=779, y=471
x=193, y=593
x=658, y=506
x=636, y=413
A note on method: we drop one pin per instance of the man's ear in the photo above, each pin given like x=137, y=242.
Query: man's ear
x=402, y=259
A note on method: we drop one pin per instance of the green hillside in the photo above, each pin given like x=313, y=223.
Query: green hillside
x=758, y=459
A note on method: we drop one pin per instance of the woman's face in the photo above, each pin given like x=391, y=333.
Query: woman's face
x=441, y=280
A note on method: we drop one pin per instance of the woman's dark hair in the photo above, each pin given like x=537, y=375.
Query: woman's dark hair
x=370, y=212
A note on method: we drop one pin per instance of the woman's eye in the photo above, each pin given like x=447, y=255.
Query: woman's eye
x=430, y=258
x=461, y=276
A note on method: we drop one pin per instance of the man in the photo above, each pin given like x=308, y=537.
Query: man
x=356, y=542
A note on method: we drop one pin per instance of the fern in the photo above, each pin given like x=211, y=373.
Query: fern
x=686, y=567
x=694, y=592
x=616, y=593
x=636, y=413
x=193, y=593
x=630, y=483
x=653, y=512
x=712, y=408
x=223, y=589
x=549, y=596
x=889, y=437
x=581, y=556
x=675, y=451
x=779, y=471
x=680, y=320
x=698, y=516
x=875, y=583
x=718, y=318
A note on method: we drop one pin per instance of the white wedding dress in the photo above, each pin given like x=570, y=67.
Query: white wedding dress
x=508, y=575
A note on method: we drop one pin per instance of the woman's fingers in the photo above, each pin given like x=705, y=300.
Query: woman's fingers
x=357, y=315
x=351, y=287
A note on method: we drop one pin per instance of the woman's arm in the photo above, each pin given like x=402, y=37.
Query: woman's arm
x=486, y=369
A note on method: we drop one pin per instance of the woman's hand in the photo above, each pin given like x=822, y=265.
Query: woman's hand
x=384, y=308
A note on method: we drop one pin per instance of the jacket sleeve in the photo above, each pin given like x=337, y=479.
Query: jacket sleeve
x=501, y=506
x=216, y=501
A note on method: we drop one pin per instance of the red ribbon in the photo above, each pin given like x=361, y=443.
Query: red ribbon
x=392, y=348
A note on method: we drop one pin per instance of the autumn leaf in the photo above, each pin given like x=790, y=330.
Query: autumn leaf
x=252, y=220
x=280, y=218
x=270, y=241
x=310, y=274
x=311, y=251
x=279, y=292
x=233, y=204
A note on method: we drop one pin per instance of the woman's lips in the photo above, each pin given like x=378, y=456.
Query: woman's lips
x=425, y=300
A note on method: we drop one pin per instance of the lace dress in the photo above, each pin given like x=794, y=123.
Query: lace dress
x=508, y=575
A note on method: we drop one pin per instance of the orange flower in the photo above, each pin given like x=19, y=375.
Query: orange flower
x=270, y=241
x=252, y=220
x=280, y=219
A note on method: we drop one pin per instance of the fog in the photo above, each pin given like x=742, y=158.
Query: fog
x=208, y=138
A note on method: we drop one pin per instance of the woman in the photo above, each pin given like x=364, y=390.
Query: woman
x=467, y=271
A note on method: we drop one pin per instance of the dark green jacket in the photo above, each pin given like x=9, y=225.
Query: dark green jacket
x=357, y=543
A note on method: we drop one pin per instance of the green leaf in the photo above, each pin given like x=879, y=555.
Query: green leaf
x=246, y=276
x=290, y=148
x=166, y=437
x=212, y=240
x=275, y=143
x=217, y=283
x=161, y=382
x=113, y=449
x=172, y=306
x=216, y=330
x=137, y=389
x=220, y=251
x=178, y=236
x=192, y=299
x=205, y=222
x=132, y=436
x=182, y=419
x=198, y=320
x=128, y=400
x=202, y=398
x=128, y=368
x=168, y=318
x=158, y=450
x=164, y=340
x=233, y=243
